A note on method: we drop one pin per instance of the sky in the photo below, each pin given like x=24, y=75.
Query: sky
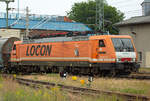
x=60, y=7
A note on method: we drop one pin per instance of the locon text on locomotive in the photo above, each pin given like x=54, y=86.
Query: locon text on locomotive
x=38, y=50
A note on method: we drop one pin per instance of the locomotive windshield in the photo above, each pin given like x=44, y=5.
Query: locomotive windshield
x=123, y=45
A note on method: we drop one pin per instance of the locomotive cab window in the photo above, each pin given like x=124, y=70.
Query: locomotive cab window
x=101, y=43
x=123, y=44
x=14, y=48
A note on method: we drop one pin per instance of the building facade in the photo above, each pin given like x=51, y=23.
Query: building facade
x=139, y=29
x=7, y=33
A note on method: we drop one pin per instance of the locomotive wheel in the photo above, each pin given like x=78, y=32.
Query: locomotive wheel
x=55, y=69
x=76, y=72
x=103, y=73
x=136, y=70
x=49, y=70
x=112, y=73
x=107, y=73
x=95, y=71
x=124, y=73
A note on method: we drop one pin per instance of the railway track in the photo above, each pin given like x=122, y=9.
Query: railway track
x=145, y=73
x=138, y=77
x=78, y=90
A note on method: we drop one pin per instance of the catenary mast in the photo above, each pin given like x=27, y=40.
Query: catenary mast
x=100, y=15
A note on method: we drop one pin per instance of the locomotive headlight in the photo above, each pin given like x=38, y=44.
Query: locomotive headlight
x=133, y=59
x=118, y=59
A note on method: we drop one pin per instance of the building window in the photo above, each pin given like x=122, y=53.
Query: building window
x=101, y=43
x=139, y=56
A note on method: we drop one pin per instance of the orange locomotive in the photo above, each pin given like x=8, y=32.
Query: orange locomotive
x=102, y=54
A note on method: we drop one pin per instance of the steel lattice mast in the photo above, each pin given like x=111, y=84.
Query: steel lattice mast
x=100, y=15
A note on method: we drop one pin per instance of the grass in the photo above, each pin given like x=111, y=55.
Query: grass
x=144, y=70
x=129, y=90
x=119, y=85
x=134, y=91
x=11, y=91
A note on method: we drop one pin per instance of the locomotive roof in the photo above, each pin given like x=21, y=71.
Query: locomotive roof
x=111, y=36
x=56, y=39
x=74, y=38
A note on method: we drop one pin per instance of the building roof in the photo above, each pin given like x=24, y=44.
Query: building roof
x=134, y=21
x=44, y=24
x=146, y=1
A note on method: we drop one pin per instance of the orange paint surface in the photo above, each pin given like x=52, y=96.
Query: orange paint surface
x=68, y=51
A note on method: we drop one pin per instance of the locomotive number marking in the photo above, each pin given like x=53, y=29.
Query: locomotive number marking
x=39, y=50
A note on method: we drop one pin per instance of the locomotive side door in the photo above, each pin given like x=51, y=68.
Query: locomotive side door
x=102, y=50
x=98, y=50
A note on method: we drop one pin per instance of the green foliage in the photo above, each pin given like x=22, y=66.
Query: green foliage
x=144, y=70
x=53, y=75
x=133, y=91
x=35, y=78
x=1, y=79
x=130, y=90
x=85, y=12
x=103, y=97
x=34, y=95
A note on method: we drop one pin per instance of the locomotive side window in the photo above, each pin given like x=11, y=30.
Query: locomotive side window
x=14, y=48
x=101, y=43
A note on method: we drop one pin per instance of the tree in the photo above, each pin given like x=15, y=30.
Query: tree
x=85, y=12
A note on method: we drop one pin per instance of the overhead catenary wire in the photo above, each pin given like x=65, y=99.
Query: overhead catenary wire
x=127, y=7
